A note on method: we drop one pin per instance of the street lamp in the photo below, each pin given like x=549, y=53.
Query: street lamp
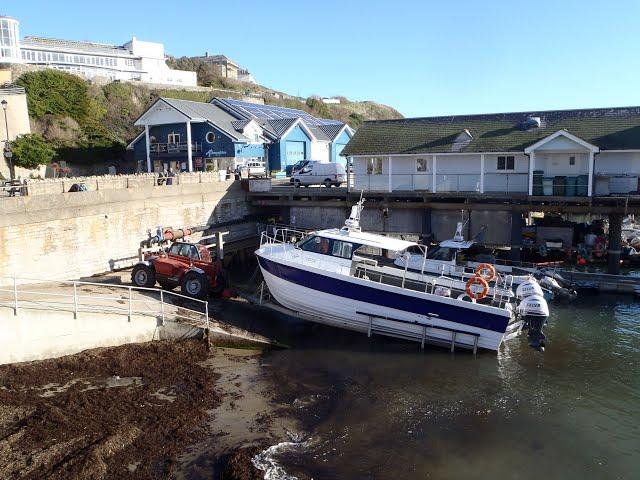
x=8, y=154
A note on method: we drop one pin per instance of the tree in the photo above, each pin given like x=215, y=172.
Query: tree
x=56, y=93
x=31, y=150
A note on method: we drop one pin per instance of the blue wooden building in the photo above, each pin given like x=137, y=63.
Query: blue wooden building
x=294, y=134
x=193, y=136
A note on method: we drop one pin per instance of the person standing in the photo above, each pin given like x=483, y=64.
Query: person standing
x=170, y=176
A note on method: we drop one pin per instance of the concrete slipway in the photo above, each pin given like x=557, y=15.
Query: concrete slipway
x=55, y=319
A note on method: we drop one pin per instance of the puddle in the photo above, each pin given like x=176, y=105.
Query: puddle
x=165, y=394
x=52, y=389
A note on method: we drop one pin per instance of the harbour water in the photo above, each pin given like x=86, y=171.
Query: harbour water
x=382, y=409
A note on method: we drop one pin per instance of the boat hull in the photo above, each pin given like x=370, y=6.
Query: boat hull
x=359, y=305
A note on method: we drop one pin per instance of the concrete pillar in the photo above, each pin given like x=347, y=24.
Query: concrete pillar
x=482, y=173
x=148, y=147
x=516, y=235
x=189, y=149
x=427, y=233
x=285, y=214
x=532, y=166
x=615, y=243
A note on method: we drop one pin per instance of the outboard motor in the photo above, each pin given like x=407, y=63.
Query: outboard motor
x=529, y=288
x=552, y=284
x=534, y=311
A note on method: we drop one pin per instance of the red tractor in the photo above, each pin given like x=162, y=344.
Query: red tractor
x=189, y=265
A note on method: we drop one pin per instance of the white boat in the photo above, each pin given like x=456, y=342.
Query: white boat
x=328, y=278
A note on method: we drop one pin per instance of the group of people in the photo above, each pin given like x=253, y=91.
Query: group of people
x=166, y=177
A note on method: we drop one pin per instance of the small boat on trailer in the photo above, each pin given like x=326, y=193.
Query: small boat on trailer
x=326, y=277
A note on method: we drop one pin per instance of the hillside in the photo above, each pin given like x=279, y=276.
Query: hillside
x=87, y=122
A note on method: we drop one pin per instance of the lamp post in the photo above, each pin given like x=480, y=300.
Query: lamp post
x=8, y=154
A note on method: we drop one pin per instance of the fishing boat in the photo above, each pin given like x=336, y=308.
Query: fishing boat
x=333, y=277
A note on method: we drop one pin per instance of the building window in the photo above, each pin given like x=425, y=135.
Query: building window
x=572, y=160
x=374, y=166
x=421, y=164
x=211, y=137
x=173, y=138
x=506, y=163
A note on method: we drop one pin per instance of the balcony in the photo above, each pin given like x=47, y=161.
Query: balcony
x=444, y=183
x=165, y=149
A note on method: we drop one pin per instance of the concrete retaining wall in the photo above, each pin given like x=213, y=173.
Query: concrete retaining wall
x=39, y=334
x=50, y=186
x=398, y=220
x=73, y=235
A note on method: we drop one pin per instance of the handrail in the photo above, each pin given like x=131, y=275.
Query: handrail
x=124, y=304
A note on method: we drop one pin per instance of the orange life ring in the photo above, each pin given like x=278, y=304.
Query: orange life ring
x=477, y=280
x=482, y=270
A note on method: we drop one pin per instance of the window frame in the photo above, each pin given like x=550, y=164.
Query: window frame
x=171, y=138
x=505, y=159
x=372, y=164
x=572, y=160
x=425, y=169
x=212, y=133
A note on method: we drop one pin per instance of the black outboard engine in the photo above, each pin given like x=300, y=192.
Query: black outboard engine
x=534, y=311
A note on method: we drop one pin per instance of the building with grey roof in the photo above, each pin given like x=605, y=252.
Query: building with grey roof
x=538, y=153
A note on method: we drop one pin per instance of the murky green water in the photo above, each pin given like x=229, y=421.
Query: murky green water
x=381, y=409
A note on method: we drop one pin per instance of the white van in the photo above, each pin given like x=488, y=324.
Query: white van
x=316, y=173
x=256, y=168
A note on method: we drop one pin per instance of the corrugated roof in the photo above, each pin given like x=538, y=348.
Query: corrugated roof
x=607, y=128
x=79, y=46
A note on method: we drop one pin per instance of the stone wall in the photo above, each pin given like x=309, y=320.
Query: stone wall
x=112, y=182
x=72, y=235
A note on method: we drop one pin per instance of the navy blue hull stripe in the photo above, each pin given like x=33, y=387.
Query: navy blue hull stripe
x=384, y=298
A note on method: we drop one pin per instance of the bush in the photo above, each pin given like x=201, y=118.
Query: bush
x=57, y=93
x=31, y=150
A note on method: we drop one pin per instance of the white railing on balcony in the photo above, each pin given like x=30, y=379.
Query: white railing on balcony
x=444, y=183
x=174, y=147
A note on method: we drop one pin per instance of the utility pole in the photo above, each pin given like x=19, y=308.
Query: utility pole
x=8, y=154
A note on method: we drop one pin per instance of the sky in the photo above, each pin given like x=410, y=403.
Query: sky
x=423, y=58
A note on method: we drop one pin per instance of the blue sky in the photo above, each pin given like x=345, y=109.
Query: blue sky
x=421, y=57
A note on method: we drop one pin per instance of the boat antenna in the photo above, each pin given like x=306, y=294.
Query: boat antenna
x=352, y=224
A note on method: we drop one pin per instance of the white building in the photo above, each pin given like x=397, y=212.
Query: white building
x=581, y=153
x=134, y=61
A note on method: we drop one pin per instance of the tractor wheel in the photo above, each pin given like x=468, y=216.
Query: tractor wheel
x=143, y=276
x=195, y=285
x=221, y=284
x=327, y=183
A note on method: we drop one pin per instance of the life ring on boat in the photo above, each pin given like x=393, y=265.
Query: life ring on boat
x=477, y=280
x=486, y=271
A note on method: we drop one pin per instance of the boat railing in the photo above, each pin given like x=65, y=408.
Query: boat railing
x=364, y=268
x=279, y=235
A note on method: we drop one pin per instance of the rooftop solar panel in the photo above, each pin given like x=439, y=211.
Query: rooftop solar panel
x=273, y=112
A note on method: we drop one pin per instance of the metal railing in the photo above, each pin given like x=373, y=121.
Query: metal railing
x=444, y=182
x=80, y=297
x=174, y=147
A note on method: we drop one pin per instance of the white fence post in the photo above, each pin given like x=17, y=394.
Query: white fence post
x=206, y=312
x=15, y=296
x=75, y=300
x=129, y=303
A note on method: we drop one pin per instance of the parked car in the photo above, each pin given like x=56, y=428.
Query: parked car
x=256, y=168
x=316, y=173
x=291, y=169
